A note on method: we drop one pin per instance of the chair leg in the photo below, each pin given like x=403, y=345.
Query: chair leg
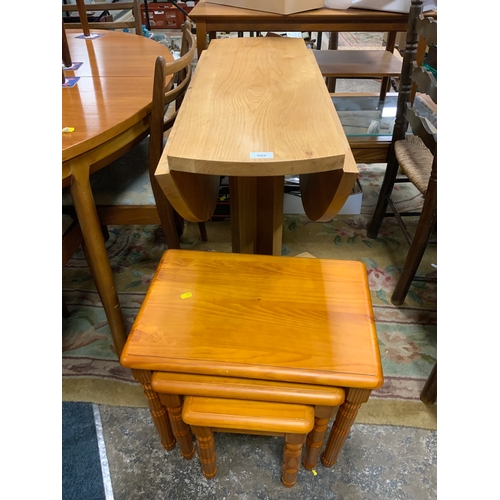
x=429, y=392
x=179, y=223
x=206, y=450
x=203, y=231
x=105, y=232
x=391, y=172
x=291, y=458
x=65, y=311
x=169, y=218
x=420, y=240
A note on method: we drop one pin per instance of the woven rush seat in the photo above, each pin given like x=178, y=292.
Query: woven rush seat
x=415, y=161
x=209, y=415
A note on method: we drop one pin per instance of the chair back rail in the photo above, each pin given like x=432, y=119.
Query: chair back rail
x=82, y=9
x=420, y=127
x=427, y=29
x=425, y=81
x=164, y=95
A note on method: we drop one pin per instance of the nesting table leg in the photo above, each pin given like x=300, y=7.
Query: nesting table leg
x=345, y=418
x=206, y=450
x=158, y=411
x=291, y=458
x=316, y=437
x=182, y=432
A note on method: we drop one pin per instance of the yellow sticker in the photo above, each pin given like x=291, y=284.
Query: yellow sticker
x=223, y=197
x=314, y=472
x=186, y=295
x=68, y=129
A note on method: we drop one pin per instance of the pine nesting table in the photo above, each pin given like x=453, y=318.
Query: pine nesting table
x=256, y=327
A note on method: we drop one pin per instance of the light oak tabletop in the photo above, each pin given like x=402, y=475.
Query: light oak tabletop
x=265, y=114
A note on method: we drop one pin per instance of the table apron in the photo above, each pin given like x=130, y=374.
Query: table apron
x=104, y=154
x=310, y=25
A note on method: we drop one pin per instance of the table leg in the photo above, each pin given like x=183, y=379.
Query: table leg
x=206, y=450
x=390, y=46
x=201, y=37
x=96, y=253
x=291, y=458
x=345, y=418
x=158, y=411
x=182, y=431
x=257, y=214
x=333, y=44
x=315, y=438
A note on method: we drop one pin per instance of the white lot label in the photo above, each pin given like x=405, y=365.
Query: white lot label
x=261, y=154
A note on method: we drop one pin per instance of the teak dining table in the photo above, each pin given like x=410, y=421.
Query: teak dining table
x=109, y=112
x=257, y=109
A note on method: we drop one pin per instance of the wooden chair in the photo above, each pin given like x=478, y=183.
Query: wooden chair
x=126, y=191
x=209, y=415
x=84, y=8
x=415, y=154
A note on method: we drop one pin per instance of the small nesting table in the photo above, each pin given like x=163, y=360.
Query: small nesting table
x=258, y=327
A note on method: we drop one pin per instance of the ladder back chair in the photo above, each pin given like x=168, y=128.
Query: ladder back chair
x=109, y=23
x=413, y=154
x=126, y=191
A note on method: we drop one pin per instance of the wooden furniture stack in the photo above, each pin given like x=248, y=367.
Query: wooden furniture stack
x=255, y=344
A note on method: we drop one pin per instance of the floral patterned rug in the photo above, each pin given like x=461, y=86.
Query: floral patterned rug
x=407, y=334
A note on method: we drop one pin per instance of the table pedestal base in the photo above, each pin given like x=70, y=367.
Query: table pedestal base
x=257, y=214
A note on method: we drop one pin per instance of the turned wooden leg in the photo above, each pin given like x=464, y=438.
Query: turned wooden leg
x=345, y=418
x=206, y=450
x=291, y=458
x=315, y=438
x=181, y=430
x=157, y=410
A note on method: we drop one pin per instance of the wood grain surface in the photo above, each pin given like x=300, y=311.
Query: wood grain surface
x=273, y=100
x=114, y=91
x=248, y=415
x=254, y=316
